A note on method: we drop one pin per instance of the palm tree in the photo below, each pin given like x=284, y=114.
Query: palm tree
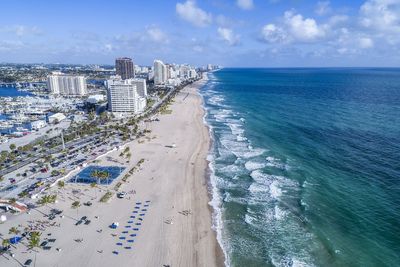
x=94, y=185
x=14, y=230
x=61, y=185
x=76, y=205
x=47, y=199
x=5, y=243
x=128, y=156
x=34, y=239
x=100, y=175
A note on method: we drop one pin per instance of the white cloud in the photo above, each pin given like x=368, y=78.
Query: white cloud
x=228, y=36
x=273, y=34
x=21, y=30
x=294, y=28
x=381, y=15
x=157, y=35
x=223, y=21
x=190, y=12
x=198, y=48
x=245, y=4
x=6, y=45
x=337, y=19
x=366, y=42
x=303, y=29
x=323, y=8
x=108, y=47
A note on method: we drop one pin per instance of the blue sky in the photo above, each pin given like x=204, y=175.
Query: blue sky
x=241, y=33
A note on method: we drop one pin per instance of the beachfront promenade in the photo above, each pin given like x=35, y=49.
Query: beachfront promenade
x=175, y=228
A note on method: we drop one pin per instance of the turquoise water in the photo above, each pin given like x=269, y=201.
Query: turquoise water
x=306, y=165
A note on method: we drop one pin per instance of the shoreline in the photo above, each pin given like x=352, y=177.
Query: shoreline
x=219, y=250
x=211, y=188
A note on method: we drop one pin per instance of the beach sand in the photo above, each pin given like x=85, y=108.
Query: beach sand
x=176, y=229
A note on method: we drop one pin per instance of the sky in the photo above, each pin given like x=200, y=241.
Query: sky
x=231, y=33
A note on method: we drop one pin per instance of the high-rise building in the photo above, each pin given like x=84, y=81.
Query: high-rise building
x=124, y=97
x=124, y=68
x=160, y=72
x=68, y=85
x=141, y=87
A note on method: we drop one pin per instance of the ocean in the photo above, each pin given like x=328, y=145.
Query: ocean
x=305, y=165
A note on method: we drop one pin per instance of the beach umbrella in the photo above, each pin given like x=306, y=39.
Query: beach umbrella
x=15, y=239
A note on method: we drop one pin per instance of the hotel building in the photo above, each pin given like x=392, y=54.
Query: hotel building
x=67, y=85
x=123, y=96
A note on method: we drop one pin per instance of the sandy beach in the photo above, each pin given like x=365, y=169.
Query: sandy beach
x=164, y=220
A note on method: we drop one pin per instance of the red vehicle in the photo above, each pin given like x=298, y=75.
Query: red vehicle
x=43, y=170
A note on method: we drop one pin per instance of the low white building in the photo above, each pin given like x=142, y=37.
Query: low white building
x=94, y=99
x=56, y=118
x=36, y=125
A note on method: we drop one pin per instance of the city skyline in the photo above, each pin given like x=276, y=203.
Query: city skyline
x=232, y=33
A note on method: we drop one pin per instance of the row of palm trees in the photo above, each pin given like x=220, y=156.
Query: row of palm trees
x=33, y=238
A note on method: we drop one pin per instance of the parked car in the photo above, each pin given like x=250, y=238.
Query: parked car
x=28, y=262
x=121, y=194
